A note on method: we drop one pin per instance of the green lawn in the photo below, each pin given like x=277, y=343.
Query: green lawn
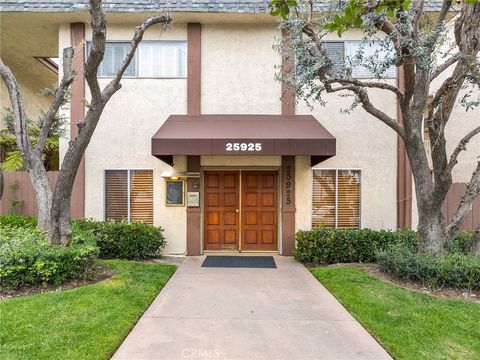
x=88, y=322
x=410, y=325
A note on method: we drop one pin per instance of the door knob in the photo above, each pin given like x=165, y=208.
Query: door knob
x=237, y=211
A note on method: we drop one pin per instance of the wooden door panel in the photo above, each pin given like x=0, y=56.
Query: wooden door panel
x=259, y=211
x=221, y=219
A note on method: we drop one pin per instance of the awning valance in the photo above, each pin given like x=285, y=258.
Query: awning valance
x=243, y=135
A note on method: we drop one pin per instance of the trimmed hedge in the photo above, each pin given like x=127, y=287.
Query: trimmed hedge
x=136, y=240
x=26, y=258
x=329, y=246
x=454, y=269
x=13, y=220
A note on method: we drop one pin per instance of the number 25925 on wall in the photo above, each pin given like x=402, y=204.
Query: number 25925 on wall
x=243, y=147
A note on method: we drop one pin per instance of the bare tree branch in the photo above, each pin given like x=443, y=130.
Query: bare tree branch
x=59, y=97
x=20, y=117
x=441, y=68
x=113, y=86
x=417, y=15
x=371, y=109
x=369, y=84
x=460, y=147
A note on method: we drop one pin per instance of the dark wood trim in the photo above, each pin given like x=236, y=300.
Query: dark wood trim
x=288, y=95
x=194, y=56
x=77, y=113
x=404, y=172
x=193, y=214
x=288, y=205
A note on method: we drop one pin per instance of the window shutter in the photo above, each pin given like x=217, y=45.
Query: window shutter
x=323, y=202
x=141, y=196
x=336, y=52
x=348, y=206
x=369, y=49
x=116, y=197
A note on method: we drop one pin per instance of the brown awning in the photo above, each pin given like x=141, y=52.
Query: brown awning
x=243, y=135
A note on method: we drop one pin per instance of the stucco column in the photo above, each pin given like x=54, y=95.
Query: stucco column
x=404, y=172
x=193, y=213
x=194, y=34
x=288, y=205
x=77, y=113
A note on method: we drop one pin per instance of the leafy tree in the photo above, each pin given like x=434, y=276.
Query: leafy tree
x=438, y=54
x=54, y=206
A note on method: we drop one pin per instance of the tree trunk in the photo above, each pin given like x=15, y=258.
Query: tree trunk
x=43, y=191
x=431, y=229
x=60, y=230
x=475, y=244
x=1, y=182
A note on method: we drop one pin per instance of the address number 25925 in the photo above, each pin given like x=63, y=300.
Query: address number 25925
x=243, y=146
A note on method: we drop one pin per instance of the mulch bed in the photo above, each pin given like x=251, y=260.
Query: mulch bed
x=445, y=292
x=98, y=274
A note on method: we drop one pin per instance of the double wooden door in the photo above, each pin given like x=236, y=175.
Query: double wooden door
x=241, y=210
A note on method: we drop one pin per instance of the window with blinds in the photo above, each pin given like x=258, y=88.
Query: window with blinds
x=129, y=195
x=157, y=59
x=342, y=51
x=336, y=199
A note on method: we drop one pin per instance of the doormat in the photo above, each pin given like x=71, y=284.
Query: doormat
x=254, y=262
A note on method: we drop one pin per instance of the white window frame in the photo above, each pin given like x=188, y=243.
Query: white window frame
x=137, y=56
x=360, y=208
x=345, y=54
x=128, y=170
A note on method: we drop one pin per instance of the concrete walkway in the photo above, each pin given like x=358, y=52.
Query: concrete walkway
x=218, y=313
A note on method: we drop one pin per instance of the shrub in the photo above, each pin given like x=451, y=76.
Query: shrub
x=136, y=240
x=21, y=221
x=328, y=246
x=454, y=269
x=27, y=259
x=462, y=243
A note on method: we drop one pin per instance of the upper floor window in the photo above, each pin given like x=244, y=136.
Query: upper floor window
x=342, y=51
x=153, y=59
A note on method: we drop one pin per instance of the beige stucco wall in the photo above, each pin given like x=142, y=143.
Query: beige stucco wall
x=363, y=143
x=238, y=77
x=122, y=137
x=31, y=95
x=238, y=69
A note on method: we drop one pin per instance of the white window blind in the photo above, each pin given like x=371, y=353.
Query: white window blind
x=336, y=52
x=160, y=59
x=336, y=199
x=372, y=51
x=129, y=195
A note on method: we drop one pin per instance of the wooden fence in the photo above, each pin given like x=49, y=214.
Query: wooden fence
x=451, y=203
x=18, y=195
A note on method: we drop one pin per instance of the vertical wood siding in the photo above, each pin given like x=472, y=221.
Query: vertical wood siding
x=451, y=203
x=18, y=188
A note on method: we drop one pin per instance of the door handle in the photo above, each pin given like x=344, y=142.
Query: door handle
x=237, y=211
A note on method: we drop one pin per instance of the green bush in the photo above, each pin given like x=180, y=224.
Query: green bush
x=454, y=269
x=27, y=259
x=136, y=240
x=462, y=243
x=13, y=220
x=329, y=246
